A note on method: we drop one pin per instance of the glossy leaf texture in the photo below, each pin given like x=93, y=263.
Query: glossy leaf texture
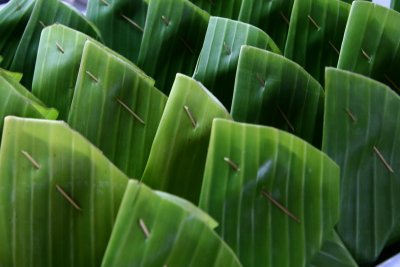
x=153, y=231
x=371, y=43
x=361, y=133
x=117, y=108
x=45, y=13
x=333, y=254
x=13, y=20
x=59, y=196
x=121, y=23
x=178, y=154
x=227, y=9
x=276, y=197
x=56, y=69
x=17, y=100
x=316, y=33
x=172, y=40
x=217, y=63
x=271, y=16
x=273, y=90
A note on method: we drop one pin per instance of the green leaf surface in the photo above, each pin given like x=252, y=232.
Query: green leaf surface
x=17, y=100
x=271, y=16
x=116, y=107
x=276, y=197
x=121, y=24
x=59, y=55
x=172, y=40
x=13, y=20
x=361, y=133
x=273, y=90
x=333, y=254
x=371, y=43
x=395, y=4
x=153, y=231
x=216, y=67
x=45, y=13
x=227, y=9
x=59, y=196
x=178, y=154
x=316, y=33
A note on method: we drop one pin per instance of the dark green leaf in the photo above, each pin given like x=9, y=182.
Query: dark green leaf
x=226, y=9
x=361, y=133
x=276, y=197
x=178, y=154
x=172, y=40
x=216, y=67
x=272, y=90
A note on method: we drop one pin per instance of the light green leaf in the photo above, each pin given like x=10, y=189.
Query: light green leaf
x=272, y=90
x=276, y=197
x=13, y=20
x=361, y=133
x=59, y=196
x=153, y=231
x=17, y=100
x=227, y=9
x=177, y=156
x=316, y=33
x=121, y=24
x=371, y=43
x=333, y=254
x=15, y=75
x=172, y=40
x=271, y=16
x=116, y=107
x=219, y=56
x=45, y=13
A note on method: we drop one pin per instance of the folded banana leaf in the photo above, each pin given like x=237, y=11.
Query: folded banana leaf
x=178, y=154
x=275, y=196
x=371, y=43
x=273, y=90
x=116, y=107
x=59, y=196
x=216, y=67
x=271, y=16
x=153, y=231
x=172, y=40
x=121, y=24
x=45, y=13
x=333, y=254
x=316, y=33
x=17, y=100
x=227, y=9
x=13, y=20
x=361, y=133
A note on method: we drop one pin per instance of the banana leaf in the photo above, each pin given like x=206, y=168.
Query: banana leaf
x=116, y=107
x=333, y=254
x=59, y=55
x=316, y=33
x=216, y=67
x=227, y=9
x=276, y=197
x=59, y=196
x=17, y=100
x=273, y=90
x=15, y=75
x=371, y=43
x=121, y=24
x=45, y=13
x=13, y=20
x=172, y=40
x=153, y=231
x=271, y=16
x=361, y=133
x=178, y=154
